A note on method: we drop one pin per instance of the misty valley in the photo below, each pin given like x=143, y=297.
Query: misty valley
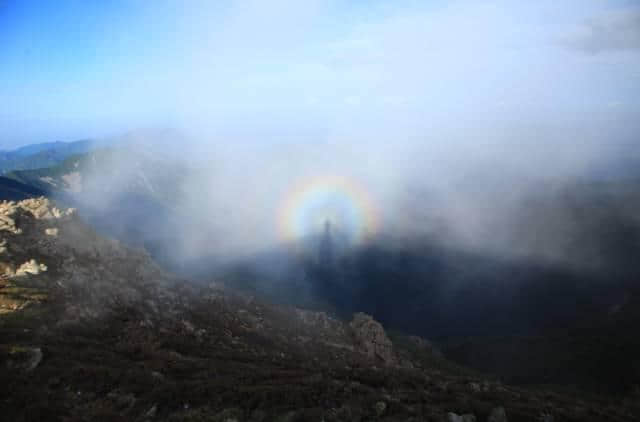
x=547, y=301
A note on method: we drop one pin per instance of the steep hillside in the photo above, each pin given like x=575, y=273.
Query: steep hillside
x=139, y=186
x=91, y=330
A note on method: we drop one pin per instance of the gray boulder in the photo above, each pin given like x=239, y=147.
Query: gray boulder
x=371, y=339
x=467, y=417
x=497, y=414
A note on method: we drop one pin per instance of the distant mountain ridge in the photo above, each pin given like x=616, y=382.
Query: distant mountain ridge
x=42, y=155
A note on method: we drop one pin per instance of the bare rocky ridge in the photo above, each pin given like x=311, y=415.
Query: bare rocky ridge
x=91, y=330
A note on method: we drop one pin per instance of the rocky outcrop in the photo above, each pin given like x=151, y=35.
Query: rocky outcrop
x=467, y=417
x=30, y=267
x=425, y=346
x=51, y=231
x=7, y=269
x=498, y=414
x=371, y=339
x=39, y=208
x=7, y=223
x=36, y=208
x=24, y=358
x=45, y=247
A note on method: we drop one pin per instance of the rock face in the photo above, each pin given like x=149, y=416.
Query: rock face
x=453, y=417
x=498, y=414
x=51, y=231
x=6, y=222
x=371, y=338
x=425, y=345
x=379, y=408
x=24, y=358
x=44, y=250
x=30, y=267
x=12, y=263
x=40, y=208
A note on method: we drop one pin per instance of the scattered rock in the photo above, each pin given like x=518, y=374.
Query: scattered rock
x=229, y=415
x=371, y=338
x=380, y=408
x=42, y=208
x=121, y=401
x=39, y=208
x=467, y=417
x=188, y=326
x=6, y=222
x=546, y=417
x=258, y=416
x=425, y=345
x=151, y=412
x=498, y=414
x=477, y=387
x=7, y=269
x=36, y=358
x=287, y=417
x=25, y=358
x=51, y=231
x=316, y=319
x=30, y=267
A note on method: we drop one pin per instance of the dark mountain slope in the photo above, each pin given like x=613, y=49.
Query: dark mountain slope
x=13, y=190
x=91, y=330
x=556, y=308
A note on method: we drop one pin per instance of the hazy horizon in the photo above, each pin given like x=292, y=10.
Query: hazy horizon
x=322, y=71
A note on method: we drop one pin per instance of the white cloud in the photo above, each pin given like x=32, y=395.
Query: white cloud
x=610, y=31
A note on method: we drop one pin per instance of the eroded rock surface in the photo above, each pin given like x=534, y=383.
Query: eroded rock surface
x=30, y=267
x=372, y=339
x=498, y=414
x=453, y=417
x=39, y=208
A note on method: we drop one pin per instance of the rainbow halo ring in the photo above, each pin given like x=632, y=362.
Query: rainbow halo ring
x=338, y=200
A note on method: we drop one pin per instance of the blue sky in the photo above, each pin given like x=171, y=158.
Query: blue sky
x=315, y=69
